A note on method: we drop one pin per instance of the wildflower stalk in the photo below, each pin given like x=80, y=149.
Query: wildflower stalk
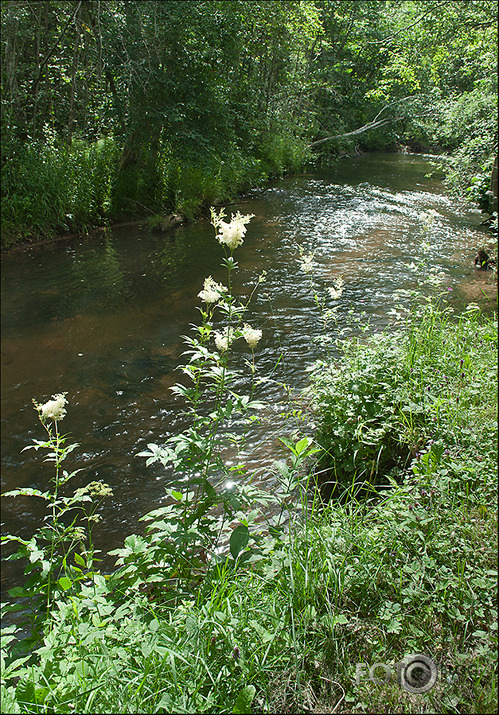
x=197, y=452
x=49, y=549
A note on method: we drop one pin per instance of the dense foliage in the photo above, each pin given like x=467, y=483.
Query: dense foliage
x=118, y=109
x=233, y=599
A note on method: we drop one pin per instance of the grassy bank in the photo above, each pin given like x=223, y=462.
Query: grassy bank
x=50, y=189
x=290, y=616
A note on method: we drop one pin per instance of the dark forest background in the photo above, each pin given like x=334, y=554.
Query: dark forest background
x=114, y=110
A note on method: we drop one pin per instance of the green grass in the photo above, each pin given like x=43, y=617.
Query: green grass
x=50, y=189
x=408, y=568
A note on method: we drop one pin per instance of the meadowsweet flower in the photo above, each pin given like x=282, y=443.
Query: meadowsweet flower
x=212, y=291
x=224, y=339
x=78, y=533
x=99, y=489
x=230, y=234
x=95, y=490
x=336, y=292
x=307, y=260
x=54, y=408
x=251, y=335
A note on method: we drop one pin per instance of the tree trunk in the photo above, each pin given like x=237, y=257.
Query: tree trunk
x=493, y=186
x=76, y=52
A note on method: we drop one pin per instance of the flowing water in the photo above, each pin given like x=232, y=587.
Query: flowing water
x=102, y=318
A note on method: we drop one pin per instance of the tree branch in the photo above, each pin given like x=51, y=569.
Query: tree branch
x=54, y=46
x=361, y=130
x=408, y=27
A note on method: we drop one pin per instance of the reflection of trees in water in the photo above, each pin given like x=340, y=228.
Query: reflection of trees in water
x=186, y=254
x=101, y=283
x=172, y=254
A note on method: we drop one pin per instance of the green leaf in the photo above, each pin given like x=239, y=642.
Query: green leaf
x=238, y=540
x=210, y=490
x=29, y=693
x=302, y=445
x=79, y=560
x=65, y=583
x=244, y=700
x=287, y=443
x=16, y=592
x=27, y=492
x=395, y=626
x=340, y=619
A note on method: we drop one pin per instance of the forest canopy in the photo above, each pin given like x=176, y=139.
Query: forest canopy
x=117, y=109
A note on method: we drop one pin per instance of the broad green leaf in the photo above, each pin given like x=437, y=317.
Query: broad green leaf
x=210, y=490
x=16, y=592
x=27, y=492
x=238, y=540
x=302, y=445
x=65, y=583
x=79, y=560
x=244, y=700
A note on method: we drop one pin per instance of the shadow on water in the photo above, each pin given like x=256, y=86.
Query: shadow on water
x=103, y=317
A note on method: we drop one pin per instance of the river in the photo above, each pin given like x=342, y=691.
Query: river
x=102, y=318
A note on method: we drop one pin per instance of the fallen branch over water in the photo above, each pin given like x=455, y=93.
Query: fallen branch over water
x=361, y=130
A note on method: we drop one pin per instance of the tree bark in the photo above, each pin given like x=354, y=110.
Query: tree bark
x=493, y=186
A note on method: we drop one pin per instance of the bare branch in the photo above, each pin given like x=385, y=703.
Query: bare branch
x=361, y=130
x=408, y=27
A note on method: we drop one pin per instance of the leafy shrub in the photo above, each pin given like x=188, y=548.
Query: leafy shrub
x=390, y=394
x=283, y=151
x=47, y=188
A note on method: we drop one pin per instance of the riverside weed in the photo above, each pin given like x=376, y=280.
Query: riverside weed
x=57, y=558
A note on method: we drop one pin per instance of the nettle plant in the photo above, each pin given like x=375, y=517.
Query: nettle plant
x=60, y=555
x=213, y=518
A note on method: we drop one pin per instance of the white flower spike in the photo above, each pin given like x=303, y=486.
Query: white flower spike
x=212, y=291
x=230, y=234
x=251, y=335
x=54, y=409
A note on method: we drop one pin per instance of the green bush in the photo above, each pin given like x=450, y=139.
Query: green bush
x=282, y=152
x=390, y=394
x=48, y=189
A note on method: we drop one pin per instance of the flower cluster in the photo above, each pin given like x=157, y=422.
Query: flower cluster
x=307, y=260
x=230, y=234
x=251, y=335
x=212, y=291
x=54, y=409
x=224, y=339
x=336, y=292
x=99, y=490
